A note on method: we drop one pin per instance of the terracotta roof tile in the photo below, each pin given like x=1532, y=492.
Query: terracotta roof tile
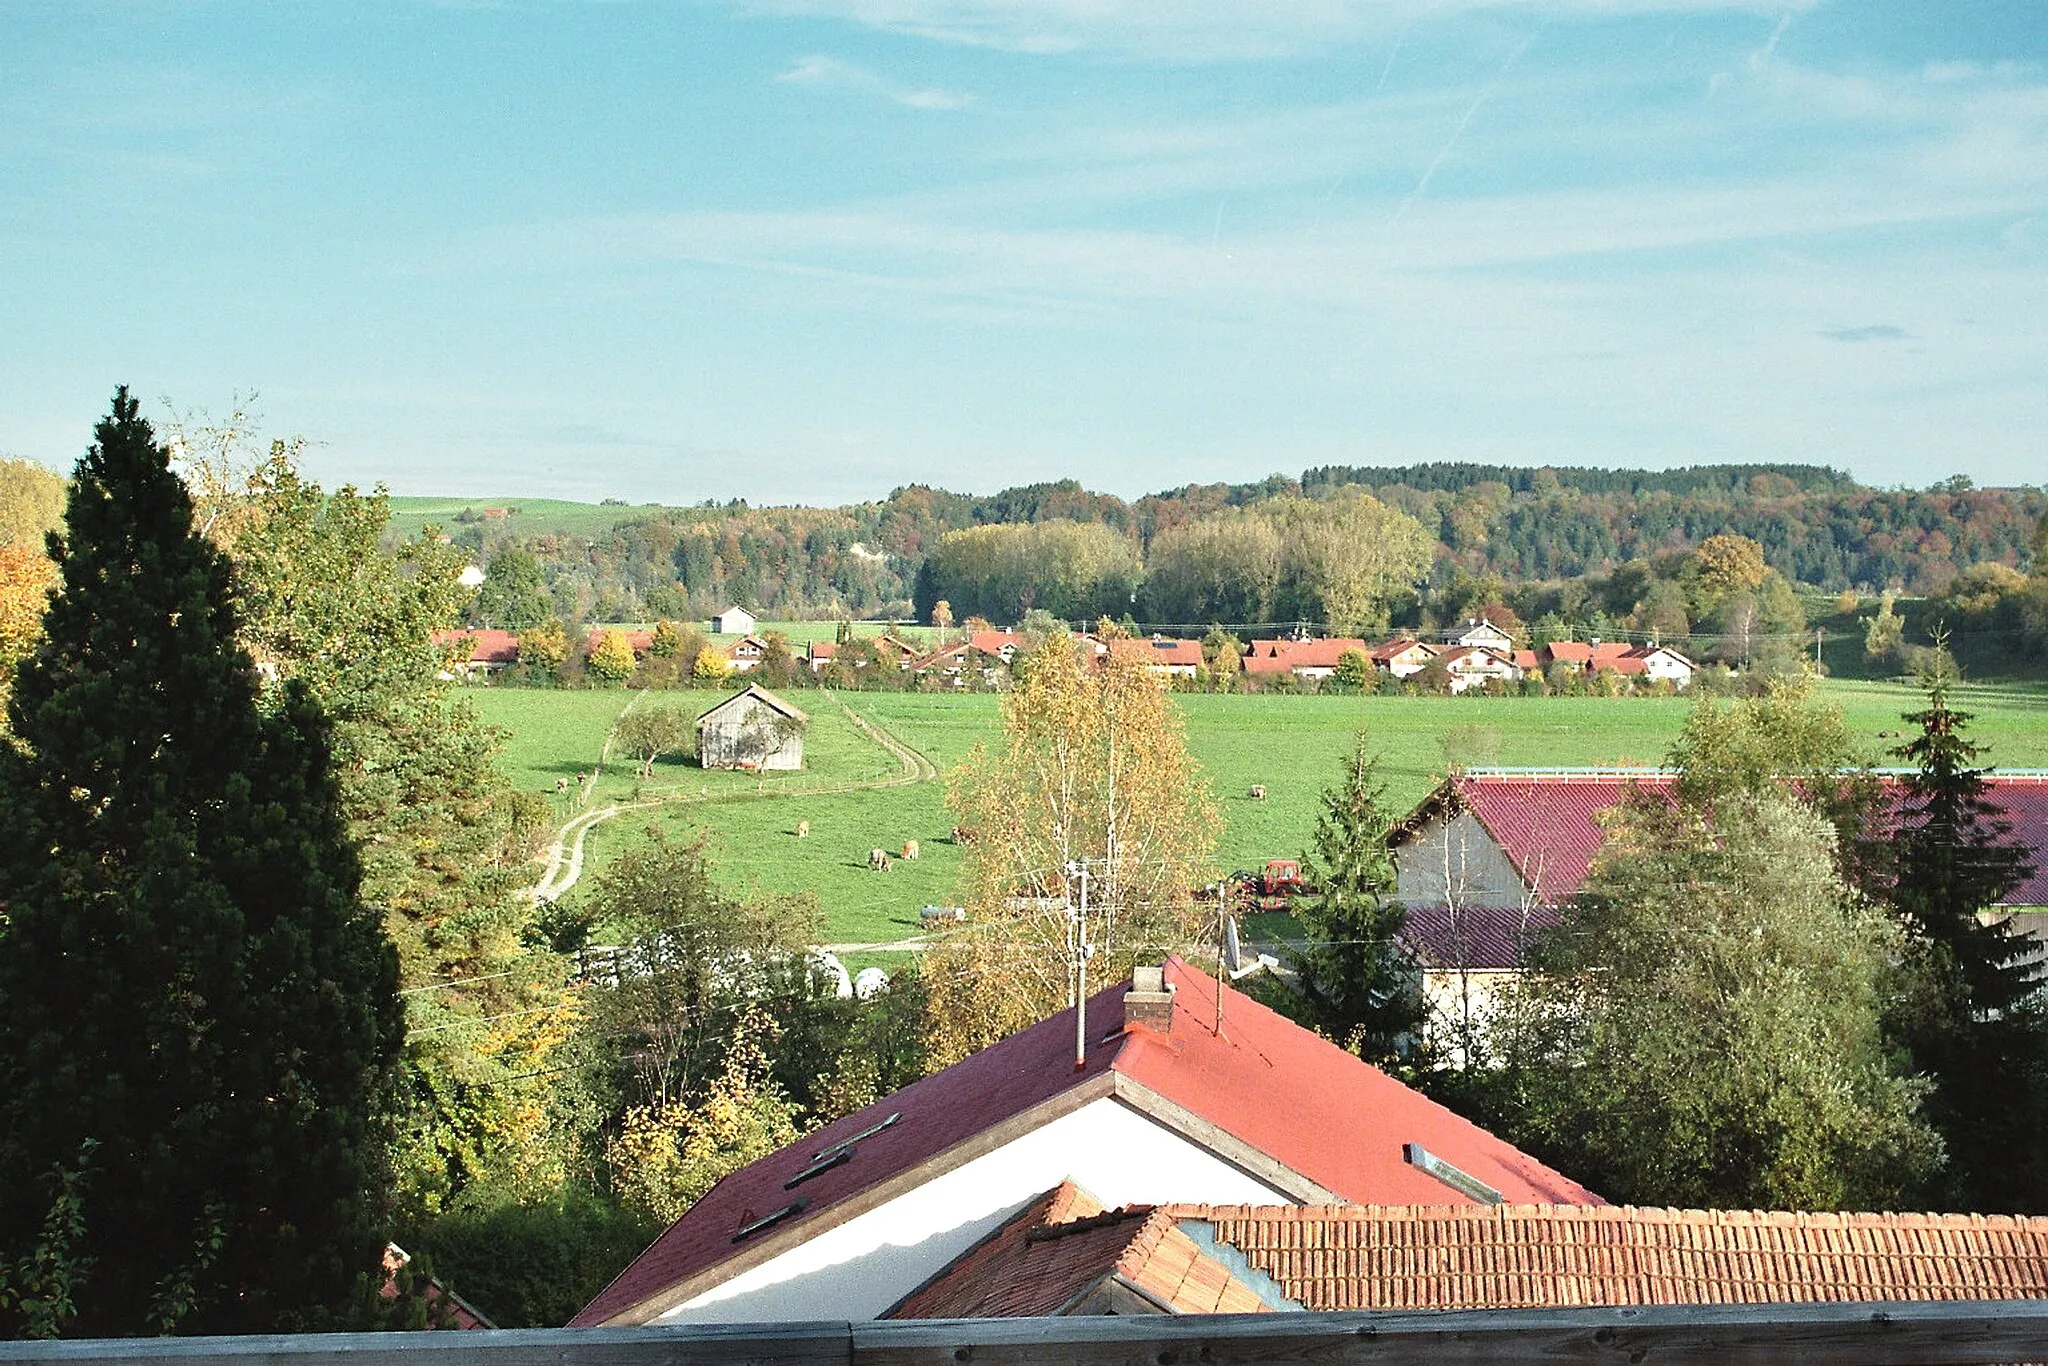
x=1540, y=1256
x=1048, y=1257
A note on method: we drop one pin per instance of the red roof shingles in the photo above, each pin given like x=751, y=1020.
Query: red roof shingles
x=1284, y=656
x=1549, y=823
x=1262, y=1080
x=483, y=646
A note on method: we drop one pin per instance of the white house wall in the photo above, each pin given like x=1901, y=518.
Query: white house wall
x=1456, y=863
x=863, y=1266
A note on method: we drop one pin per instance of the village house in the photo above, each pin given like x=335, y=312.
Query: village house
x=1403, y=658
x=1470, y=960
x=819, y=654
x=1474, y=666
x=1479, y=631
x=752, y=729
x=747, y=653
x=734, y=621
x=640, y=641
x=1513, y=840
x=1184, y=1090
x=1159, y=655
x=1303, y=658
x=471, y=655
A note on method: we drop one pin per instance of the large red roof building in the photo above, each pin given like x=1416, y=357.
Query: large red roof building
x=1187, y=1091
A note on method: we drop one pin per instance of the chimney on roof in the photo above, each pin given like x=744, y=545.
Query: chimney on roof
x=1149, y=1002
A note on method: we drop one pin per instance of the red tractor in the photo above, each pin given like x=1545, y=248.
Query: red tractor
x=1270, y=890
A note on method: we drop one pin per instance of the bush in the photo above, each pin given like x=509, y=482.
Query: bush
x=535, y=1264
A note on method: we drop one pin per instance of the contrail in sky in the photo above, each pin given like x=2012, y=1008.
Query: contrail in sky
x=1422, y=185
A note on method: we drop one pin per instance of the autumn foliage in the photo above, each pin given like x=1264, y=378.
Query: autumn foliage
x=1092, y=769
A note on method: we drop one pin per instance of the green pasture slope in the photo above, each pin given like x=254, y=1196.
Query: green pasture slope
x=528, y=516
x=1292, y=746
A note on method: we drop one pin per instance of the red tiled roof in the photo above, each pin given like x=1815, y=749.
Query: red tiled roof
x=993, y=642
x=821, y=649
x=641, y=641
x=485, y=646
x=1263, y=1081
x=1064, y=1245
x=1541, y=1256
x=1171, y=653
x=1394, y=649
x=1434, y=1257
x=1483, y=938
x=1570, y=651
x=1281, y=656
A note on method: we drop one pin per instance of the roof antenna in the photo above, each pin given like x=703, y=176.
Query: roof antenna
x=1226, y=950
x=1078, y=945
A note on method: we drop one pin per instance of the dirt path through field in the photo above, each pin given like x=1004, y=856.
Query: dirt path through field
x=563, y=864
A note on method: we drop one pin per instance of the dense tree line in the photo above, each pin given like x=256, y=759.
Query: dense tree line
x=1817, y=528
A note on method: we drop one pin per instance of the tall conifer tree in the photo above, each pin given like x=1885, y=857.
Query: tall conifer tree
x=1354, y=984
x=188, y=977
x=1979, y=1028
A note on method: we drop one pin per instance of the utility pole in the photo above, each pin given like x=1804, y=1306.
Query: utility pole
x=1819, y=634
x=1223, y=964
x=1078, y=945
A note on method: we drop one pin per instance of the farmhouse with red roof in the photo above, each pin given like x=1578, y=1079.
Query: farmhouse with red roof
x=1518, y=839
x=473, y=653
x=1177, y=1098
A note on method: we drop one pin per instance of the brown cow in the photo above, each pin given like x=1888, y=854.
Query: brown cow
x=910, y=849
x=803, y=829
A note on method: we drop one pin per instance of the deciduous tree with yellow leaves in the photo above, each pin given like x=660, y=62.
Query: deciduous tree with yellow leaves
x=1092, y=772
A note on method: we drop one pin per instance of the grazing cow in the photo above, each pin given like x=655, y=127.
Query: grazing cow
x=878, y=860
x=561, y=785
x=803, y=829
x=1258, y=793
x=963, y=834
x=910, y=849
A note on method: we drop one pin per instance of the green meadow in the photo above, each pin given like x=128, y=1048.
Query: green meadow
x=1292, y=746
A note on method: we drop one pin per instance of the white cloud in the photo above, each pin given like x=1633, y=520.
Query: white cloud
x=832, y=74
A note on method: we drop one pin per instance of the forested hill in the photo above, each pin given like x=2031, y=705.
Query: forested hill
x=1817, y=526
x=1732, y=480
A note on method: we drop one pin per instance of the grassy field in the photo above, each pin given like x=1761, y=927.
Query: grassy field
x=1291, y=745
x=527, y=516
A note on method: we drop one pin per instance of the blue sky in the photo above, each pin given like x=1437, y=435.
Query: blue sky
x=810, y=250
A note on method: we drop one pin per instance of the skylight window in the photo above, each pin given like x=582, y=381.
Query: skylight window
x=1461, y=1181
x=852, y=1139
x=835, y=1157
x=769, y=1220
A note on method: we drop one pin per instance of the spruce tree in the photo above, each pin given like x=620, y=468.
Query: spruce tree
x=1353, y=985
x=1976, y=1027
x=190, y=985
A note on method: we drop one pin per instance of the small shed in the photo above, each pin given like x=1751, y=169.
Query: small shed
x=733, y=621
x=752, y=729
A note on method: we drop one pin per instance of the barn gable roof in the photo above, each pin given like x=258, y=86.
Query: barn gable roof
x=1548, y=824
x=1266, y=1094
x=759, y=694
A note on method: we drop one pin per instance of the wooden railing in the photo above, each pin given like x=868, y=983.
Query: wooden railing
x=1954, y=1333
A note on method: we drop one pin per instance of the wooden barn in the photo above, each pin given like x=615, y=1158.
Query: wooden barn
x=752, y=729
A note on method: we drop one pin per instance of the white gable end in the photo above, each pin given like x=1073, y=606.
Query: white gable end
x=860, y=1268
